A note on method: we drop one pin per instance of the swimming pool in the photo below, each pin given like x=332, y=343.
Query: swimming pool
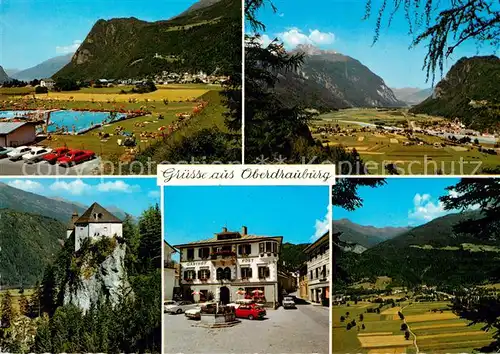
x=69, y=121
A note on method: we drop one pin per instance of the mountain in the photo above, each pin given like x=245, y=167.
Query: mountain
x=292, y=256
x=199, y=5
x=21, y=201
x=330, y=80
x=11, y=72
x=3, y=76
x=28, y=243
x=469, y=91
x=412, y=95
x=433, y=254
x=43, y=70
x=206, y=38
x=365, y=236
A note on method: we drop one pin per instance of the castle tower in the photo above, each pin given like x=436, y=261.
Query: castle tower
x=71, y=226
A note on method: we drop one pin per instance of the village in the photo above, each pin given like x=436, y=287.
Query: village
x=395, y=137
x=232, y=287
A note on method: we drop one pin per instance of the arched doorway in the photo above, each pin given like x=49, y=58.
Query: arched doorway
x=224, y=295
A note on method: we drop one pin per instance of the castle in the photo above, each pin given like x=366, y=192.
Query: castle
x=95, y=224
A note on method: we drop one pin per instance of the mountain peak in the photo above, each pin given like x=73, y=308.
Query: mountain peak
x=311, y=49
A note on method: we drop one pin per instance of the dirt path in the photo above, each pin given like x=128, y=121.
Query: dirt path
x=411, y=332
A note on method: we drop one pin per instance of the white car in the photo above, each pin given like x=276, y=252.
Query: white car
x=179, y=307
x=195, y=313
x=36, y=154
x=288, y=302
x=18, y=153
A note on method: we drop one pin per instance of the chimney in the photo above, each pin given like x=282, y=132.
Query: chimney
x=224, y=229
x=244, y=230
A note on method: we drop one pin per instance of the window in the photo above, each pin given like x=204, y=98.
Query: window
x=246, y=273
x=244, y=250
x=317, y=272
x=226, y=251
x=268, y=247
x=227, y=273
x=204, y=252
x=190, y=254
x=204, y=274
x=312, y=275
x=263, y=272
x=323, y=272
x=189, y=275
x=220, y=274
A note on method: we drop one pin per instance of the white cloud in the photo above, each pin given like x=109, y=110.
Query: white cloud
x=66, y=49
x=154, y=194
x=322, y=226
x=117, y=186
x=264, y=40
x=76, y=187
x=294, y=36
x=26, y=185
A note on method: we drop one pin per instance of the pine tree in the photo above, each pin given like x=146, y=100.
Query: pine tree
x=24, y=305
x=7, y=310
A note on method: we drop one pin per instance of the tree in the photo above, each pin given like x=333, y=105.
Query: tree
x=63, y=84
x=7, y=310
x=407, y=335
x=41, y=89
x=361, y=317
x=24, y=305
x=342, y=318
x=445, y=30
x=404, y=326
x=347, y=314
x=477, y=306
x=149, y=251
x=363, y=326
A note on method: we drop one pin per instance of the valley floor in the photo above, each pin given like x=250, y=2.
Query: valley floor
x=434, y=328
x=423, y=153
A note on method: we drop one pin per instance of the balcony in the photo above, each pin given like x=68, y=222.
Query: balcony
x=222, y=254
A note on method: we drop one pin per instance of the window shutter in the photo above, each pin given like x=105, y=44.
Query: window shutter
x=185, y=275
x=239, y=249
x=267, y=272
x=261, y=247
x=208, y=274
x=200, y=254
x=199, y=274
x=249, y=272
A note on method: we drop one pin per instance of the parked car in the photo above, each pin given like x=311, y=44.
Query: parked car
x=195, y=313
x=288, y=302
x=55, y=154
x=250, y=311
x=74, y=157
x=179, y=307
x=4, y=151
x=17, y=153
x=36, y=154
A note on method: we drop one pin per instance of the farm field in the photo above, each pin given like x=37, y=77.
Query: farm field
x=382, y=148
x=435, y=332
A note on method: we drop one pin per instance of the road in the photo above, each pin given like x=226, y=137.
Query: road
x=300, y=331
x=19, y=168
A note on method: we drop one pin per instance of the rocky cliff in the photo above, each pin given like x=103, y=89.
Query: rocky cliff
x=469, y=91
x=3, y=76
x=100, y=273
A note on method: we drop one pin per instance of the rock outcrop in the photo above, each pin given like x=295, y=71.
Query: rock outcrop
x=107, y=280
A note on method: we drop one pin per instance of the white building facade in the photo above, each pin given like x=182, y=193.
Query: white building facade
x=169, y=281
x=231, y=266
x=318, y=270
x=95, y=224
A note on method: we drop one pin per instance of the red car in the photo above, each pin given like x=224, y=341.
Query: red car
x=250, y=311
x=74, y=157
x=55, y=155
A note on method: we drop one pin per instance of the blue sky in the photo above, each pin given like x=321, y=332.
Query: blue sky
x=132, y=195
x=32, y=31
x=401, y=202
x=299, y=214
x=338, y=25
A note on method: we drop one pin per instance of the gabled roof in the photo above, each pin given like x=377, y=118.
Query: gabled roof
x=74, y=218
x=97, y=214
x=323, y=239
x=9, y=127
x=242, y=239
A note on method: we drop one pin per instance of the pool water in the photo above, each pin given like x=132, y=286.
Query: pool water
x=70, y=121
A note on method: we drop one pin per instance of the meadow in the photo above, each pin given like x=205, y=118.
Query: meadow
x=163, y=106
x=433, y=326
x=15, y=297
x=380, y=148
